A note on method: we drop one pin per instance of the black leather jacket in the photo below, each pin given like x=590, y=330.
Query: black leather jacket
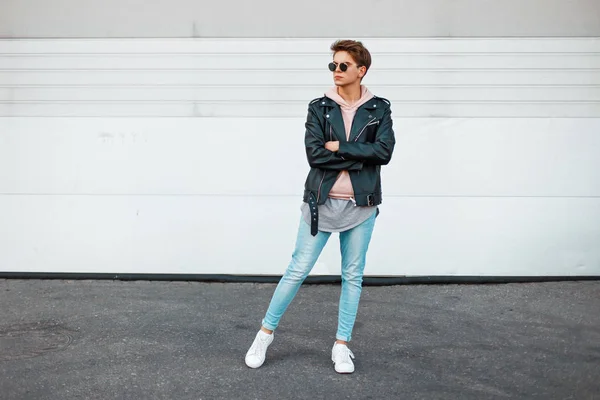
x=370, y=146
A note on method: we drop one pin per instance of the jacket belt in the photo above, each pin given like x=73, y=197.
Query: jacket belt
x=314, y=214
x=372, y=199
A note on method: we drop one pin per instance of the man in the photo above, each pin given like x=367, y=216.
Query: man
x=348, y=137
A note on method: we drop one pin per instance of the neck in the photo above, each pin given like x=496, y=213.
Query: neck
x=351, y=93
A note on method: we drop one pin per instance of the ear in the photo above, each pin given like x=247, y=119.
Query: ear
x=362, y=71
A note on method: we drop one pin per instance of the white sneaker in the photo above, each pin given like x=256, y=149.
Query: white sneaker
x=342, y=359
x=255, y=357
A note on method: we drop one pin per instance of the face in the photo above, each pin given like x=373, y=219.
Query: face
x=353, y=73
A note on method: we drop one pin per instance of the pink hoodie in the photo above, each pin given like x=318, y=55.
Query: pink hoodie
x=342, y=189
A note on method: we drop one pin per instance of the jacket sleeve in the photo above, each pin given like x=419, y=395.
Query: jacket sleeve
x=318, y=156
x=379, y=152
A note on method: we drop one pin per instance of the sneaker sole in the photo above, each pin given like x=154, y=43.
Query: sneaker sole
x=254, y=367
x=343, y=372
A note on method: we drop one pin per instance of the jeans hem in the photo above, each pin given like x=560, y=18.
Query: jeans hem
x=267, y=326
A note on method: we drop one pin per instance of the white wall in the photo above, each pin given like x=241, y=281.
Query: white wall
x=110, y=149
x=309, y=18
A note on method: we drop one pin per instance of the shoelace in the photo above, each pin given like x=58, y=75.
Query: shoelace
x=259, y=347
x=346, y=353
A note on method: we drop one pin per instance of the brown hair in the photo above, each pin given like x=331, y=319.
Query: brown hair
x=359, y=53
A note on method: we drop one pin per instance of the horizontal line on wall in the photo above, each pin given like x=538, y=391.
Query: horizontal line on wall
x=294, y=39
x=286, y=195
x=224, y=102
x=304, y=54
x=297, y=117
x=130, y=70
x=269, y=86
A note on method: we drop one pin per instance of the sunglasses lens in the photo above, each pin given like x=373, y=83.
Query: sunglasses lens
x=343, y=67
x=332, y=67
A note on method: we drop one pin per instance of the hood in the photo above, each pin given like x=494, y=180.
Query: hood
x=365, y=96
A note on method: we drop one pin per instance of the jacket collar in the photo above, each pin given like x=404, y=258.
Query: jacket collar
x=334, y=117
x=369, y=105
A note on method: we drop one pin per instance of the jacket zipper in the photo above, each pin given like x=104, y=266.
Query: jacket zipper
x=323, y=178
x=319, y=190
x=361, y=132
x=365, y=127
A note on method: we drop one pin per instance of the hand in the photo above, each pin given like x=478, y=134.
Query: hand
x=332, y=146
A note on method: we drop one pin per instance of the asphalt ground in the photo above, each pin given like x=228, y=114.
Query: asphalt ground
x=103, y=339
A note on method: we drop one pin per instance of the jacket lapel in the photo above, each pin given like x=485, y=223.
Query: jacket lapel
x=364, y=114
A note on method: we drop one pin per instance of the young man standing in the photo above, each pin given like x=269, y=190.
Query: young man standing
x=348, y=138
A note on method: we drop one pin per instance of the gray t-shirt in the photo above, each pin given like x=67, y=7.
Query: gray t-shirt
x=338, y=215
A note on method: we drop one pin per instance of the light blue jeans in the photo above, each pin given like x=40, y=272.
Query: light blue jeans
x=353, y=245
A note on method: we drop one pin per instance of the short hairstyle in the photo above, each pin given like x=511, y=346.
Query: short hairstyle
x=359, y=53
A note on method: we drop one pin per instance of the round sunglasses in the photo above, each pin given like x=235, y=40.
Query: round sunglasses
x=343, y=66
